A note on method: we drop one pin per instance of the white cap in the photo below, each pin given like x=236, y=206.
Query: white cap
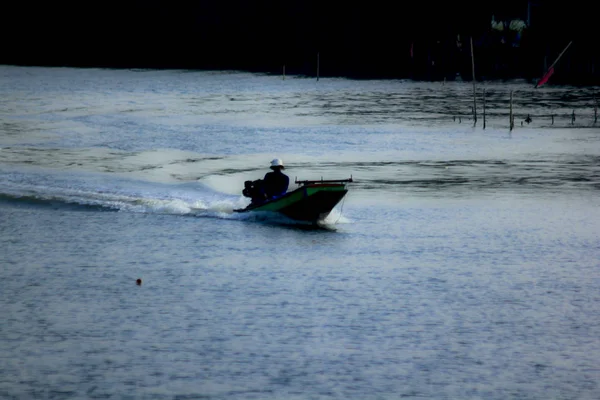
x=277, y=163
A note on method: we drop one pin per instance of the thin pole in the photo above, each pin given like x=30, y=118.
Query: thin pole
x=510, y=117
x=474, y=98
x=318, y=61
x=549, y=71
x=483, y=108
x=560, y=55
x=595, y=109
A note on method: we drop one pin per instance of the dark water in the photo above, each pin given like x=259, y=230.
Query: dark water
x=462, y=264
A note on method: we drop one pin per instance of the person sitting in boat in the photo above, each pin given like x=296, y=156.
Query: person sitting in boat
x=275, y=183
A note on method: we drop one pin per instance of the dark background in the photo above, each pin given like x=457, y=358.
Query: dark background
x=370, y=39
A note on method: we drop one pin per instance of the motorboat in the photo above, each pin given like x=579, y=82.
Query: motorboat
x=312, y=201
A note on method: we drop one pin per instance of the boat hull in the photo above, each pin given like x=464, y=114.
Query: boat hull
x=309, y=203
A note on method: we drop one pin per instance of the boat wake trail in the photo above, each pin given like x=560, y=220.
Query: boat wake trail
x=111, y=194
x=71, y=191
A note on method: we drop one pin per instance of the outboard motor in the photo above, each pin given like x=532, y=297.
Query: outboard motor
x=254, y=190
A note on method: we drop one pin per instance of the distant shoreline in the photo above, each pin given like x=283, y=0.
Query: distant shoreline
x=578, y=82
x=424, y=41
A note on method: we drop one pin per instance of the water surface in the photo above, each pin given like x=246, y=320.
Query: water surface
x=463, y=262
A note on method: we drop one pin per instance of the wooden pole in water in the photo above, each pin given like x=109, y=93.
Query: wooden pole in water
x=318, y=62
x=473, y=70
x=511, y=121
x=483, y=108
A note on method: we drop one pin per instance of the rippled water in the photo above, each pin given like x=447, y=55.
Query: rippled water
x=462, y=264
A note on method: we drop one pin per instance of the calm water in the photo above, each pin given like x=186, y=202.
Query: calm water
x=463, y=264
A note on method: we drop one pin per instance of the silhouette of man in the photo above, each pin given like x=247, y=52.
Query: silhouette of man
x=275, y=182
